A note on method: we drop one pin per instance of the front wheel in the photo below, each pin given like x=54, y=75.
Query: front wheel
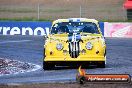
x=48, y=66
x=101, y=64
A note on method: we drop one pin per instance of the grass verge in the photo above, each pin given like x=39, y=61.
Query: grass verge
x=23, y=19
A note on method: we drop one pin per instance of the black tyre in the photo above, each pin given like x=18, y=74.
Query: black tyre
x=101, y=64
x=48, y=66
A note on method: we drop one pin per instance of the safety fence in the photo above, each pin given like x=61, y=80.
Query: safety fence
x=102, y=10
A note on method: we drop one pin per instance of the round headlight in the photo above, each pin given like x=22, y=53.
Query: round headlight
x=59, y=46
x=89, y=46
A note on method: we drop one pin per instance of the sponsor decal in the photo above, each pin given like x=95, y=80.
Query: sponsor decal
x=118, y=30
x=24, y=28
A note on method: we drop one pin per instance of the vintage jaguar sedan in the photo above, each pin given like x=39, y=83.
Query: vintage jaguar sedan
x=73, y=42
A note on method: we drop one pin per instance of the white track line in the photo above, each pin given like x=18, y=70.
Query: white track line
x=3, y=42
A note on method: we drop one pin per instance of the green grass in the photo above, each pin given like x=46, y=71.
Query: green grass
x=16, y=10
x=23, y=19
x=50, y=19
x=55, y=10
x=31, y=10
x=115, y=20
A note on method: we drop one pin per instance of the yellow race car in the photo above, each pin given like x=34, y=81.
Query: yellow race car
x=73, y=42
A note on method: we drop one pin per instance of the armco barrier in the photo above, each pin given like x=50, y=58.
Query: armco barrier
x=28, y=28
x=119, y=29
x=24, y=28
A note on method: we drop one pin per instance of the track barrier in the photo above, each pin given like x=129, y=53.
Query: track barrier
x=108, y=29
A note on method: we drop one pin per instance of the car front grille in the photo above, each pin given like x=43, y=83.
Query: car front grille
x=74, y=49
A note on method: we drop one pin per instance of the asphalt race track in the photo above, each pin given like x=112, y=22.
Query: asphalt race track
x=30, y=49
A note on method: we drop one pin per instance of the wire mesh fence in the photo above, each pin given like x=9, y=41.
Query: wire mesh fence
x=110, y=10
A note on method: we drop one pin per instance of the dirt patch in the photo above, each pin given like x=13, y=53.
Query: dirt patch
x=54, y=9
x=68, y=85
x=10, y=67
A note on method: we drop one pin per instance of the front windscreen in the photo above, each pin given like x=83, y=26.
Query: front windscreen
x=74, y=27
